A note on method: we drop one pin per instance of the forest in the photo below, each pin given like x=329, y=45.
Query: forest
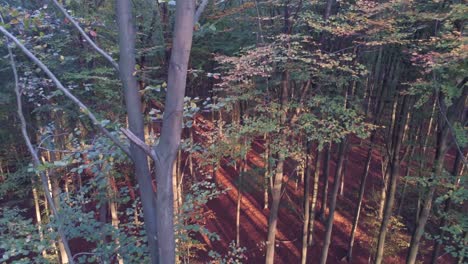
x=233, y=131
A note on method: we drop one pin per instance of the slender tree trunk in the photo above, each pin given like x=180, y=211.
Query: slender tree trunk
x=455, y=112
x=393, y=172
x=427, y=205
x=331, y=214
x=273, y=219
x=313, y=205
x=135, y=122
x=357, y=213
x=305, y=228
x=266, y=176
x=278, y=180
x=239, y=198
x=326, y=166
x=345, y=163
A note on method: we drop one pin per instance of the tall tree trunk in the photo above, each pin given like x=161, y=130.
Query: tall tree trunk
x=239, y=198
x=313, y=204
x=169, y=141
x=392, y=172
x=278, y=180
x=357, y=213
x=266, y=176
x=331, y=214
x=446, y=119
x=427, y=205
x=305, y=228
x=135, y=122
x=326, y=166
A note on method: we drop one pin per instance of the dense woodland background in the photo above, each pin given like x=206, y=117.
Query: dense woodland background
x=231, y=131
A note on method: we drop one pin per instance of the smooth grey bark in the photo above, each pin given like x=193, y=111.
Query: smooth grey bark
x=169, y=141
x=331, y=215
x=135, y=122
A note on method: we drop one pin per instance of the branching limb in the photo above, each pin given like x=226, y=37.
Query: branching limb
x=35, y=156
x=67, y=93
x=85, y=36
x=137, y=141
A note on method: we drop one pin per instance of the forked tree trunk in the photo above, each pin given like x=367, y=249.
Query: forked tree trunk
x=169, y=141
x=331, y=214
x=135, y=122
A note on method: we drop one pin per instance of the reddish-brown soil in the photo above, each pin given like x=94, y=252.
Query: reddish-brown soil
x=254, y=219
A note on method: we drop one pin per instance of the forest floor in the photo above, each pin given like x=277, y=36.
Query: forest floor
x=254, y=218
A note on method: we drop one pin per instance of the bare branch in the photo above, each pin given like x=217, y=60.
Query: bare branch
x=85, y=36
x=67, y=93
x=34, y=154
